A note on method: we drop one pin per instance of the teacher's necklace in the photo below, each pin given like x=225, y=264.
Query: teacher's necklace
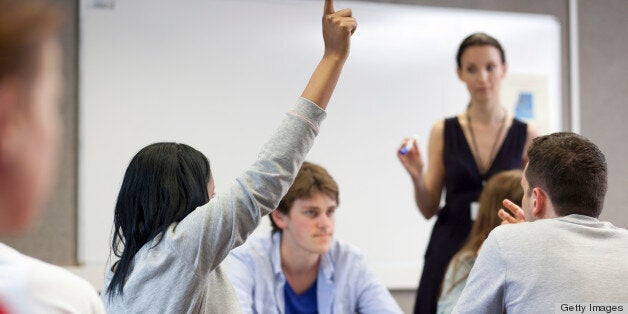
x=481, y=164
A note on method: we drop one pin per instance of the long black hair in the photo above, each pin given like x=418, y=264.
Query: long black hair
x=162, y=185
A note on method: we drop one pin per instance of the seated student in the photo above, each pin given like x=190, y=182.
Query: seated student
x=170, y=231
x=503, y=185
x=30, y=127
x=565, y=254
x=300, y=267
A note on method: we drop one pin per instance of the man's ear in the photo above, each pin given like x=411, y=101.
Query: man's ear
x=279, y=218
x=459, y=73
x=539, y=203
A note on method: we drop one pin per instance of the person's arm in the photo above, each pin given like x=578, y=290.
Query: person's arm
x=484, y=291
x=427, y=186
x=205, y=237
x=337, y=30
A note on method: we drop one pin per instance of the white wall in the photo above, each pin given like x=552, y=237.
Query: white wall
x=219, y=74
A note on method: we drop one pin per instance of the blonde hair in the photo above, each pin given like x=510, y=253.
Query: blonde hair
x=503, y=185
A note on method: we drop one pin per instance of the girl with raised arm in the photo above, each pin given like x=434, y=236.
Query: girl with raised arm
x=171, y=232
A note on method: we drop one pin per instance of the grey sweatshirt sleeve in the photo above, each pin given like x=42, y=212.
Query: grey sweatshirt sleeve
x=205, y=237
x=484, y=291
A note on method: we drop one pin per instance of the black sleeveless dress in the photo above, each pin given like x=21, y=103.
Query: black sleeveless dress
x=463, y=184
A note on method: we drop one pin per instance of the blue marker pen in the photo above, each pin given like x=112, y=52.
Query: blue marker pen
x=406, y=148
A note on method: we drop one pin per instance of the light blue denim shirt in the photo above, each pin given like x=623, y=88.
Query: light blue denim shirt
x=345, y=283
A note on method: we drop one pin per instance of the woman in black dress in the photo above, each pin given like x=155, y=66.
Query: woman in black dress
x=463, y=152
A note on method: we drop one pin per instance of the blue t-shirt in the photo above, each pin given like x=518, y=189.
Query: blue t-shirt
x=304, y=303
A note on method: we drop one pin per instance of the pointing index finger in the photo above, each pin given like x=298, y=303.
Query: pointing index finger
x=511, y=206
x=516, y=210
x=329, y=7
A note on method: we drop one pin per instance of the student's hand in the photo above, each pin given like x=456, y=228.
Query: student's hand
x=337, y=30
x=507, y=218
x=412, y=160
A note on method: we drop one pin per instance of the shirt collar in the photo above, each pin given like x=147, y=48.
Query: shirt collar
x=579, y=218
x=326, y=267
x=275, y=255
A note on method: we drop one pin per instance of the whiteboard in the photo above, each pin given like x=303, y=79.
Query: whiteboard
x=219, y=75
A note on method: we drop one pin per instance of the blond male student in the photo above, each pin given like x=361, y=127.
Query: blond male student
x=172, y=230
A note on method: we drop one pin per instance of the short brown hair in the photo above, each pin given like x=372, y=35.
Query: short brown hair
x=24, y=26
x=310, y=178
x=571, y=169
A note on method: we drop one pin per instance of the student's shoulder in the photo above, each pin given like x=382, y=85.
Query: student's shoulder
x=254, y=256
x=523, y=232
x=51, y=287
x=342, y=250
x=42, y=274
x=257, y=246
x=39, y=272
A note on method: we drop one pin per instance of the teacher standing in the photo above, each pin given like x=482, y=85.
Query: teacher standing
x=464, y=151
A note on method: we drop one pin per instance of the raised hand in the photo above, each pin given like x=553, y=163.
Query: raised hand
x=337, y=30
x=412, y=160
x=507, y=218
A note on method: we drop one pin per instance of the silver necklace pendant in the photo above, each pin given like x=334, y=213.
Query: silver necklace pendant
x=480, y=163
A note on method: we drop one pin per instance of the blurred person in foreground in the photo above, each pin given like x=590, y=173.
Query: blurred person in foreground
x=30, y=127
